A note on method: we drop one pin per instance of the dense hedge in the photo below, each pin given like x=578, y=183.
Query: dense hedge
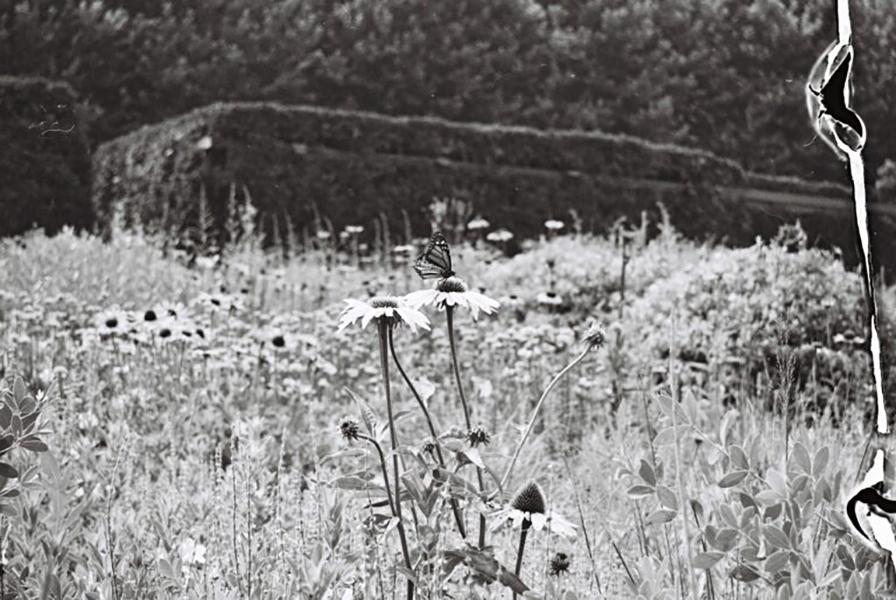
x=45, y=161
x=353, y=166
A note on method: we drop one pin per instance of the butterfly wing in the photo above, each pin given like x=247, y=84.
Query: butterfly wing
x=435, y=261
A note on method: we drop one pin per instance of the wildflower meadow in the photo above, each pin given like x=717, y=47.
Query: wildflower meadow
x=629, y=415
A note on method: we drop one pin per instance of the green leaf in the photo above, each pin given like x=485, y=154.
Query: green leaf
x=639, y=491
x=744, y=573
x=777, y=561
x=732, y=479
x=667, y=497
x=776, y=536
x=646, y=473
x=8, y=471
x=738, y=458
x=707, y=560
x=356, y=483
x=33, y=444
x=663, y=515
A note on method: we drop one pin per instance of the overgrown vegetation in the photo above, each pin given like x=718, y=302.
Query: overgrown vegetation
x=702, y=449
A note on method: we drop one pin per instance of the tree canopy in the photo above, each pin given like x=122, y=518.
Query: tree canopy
x=725, y=75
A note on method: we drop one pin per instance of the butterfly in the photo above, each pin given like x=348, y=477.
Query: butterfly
x=435, y=261
x=829, y=103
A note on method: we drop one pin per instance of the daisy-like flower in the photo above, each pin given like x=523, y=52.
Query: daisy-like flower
x=453, y=291
x=354, y=229
x=478, y=223
x=500, y=236
x=553, y=225
x=323, y=234
x=549, y=299
x=113, y=320
x=528, y=509
x=388, y=308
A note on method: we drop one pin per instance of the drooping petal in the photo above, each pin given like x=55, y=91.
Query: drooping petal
x=562, y=527
x=420, y=298
x=538, y=521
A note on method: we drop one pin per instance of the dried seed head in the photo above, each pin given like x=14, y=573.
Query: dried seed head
x=452, y=284
x=530, y=499
x=479, y=435
x=429, y=448
x=595, y=337
x=349, y=429
x=559, y=564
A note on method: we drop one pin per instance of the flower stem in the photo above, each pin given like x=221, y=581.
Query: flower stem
x=516, y=453
x=432, y=430
x=385, y=469
x=524, y=531
x=384, y=363
x=449, y=315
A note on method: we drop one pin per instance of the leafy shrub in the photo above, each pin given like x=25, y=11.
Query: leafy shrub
x=297, y=164
x=45, y=164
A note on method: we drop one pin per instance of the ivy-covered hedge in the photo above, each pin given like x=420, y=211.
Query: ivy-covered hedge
x=351, y=167
x=45, y=158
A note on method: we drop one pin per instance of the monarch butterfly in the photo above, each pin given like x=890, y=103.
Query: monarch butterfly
x=835, y=121
x=435, y=261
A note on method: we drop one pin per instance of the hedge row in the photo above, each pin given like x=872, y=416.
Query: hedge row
x=45, y=161
x=353, y=166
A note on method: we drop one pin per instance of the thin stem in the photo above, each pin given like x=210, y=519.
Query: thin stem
x=680, y=485
x=385, y=469
x=516, y=453
x=524, y=531
x=384, y=363
x=575, y=493
x=432, y=430
x=449, y=315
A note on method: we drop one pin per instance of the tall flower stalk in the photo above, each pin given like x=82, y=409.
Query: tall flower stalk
x=455, y=508
x=388, y=312
x=594, y=339
x=449, y=317
x=385, y=328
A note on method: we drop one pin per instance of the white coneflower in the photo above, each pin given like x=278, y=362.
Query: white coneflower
x=499, y=236
x=113, y=320
x=354, y=229
x=528, y=508
x=323, y=234
x=477, y=224
x=549, y=299
x=388, y=309
x=553, y=225
x=453, y=291
x=403, y=250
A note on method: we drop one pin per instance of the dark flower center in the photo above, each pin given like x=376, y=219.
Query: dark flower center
x=149, y=315
x=530, y=499
x=452, y=284
x=383, y=302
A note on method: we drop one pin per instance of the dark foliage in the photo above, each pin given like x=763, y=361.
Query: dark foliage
x=45, y=162
x=725, y=75
x=301, y=163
